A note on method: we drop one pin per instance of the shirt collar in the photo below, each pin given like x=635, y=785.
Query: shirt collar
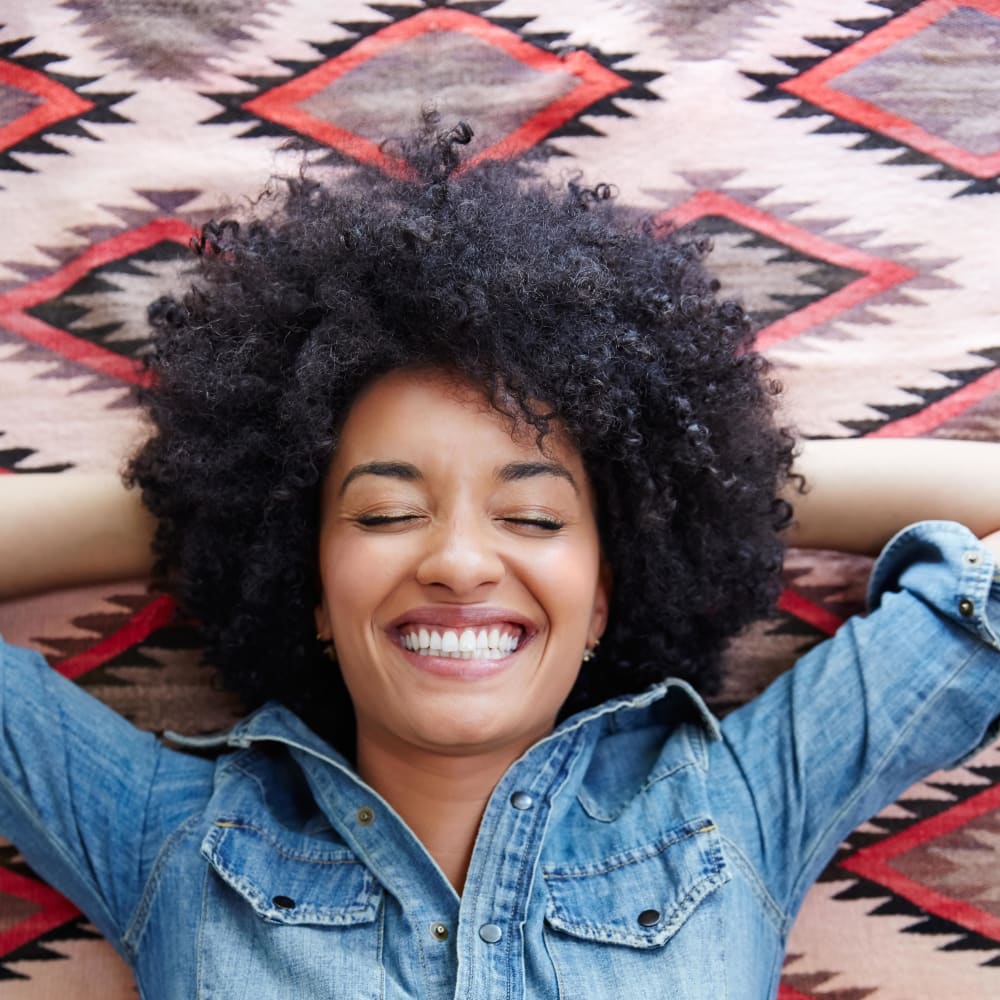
x=274, y=722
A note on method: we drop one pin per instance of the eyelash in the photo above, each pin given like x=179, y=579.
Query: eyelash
x=375, y=520
x=545, y=523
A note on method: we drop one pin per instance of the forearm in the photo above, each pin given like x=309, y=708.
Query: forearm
x=70, y=529
x=859, y=493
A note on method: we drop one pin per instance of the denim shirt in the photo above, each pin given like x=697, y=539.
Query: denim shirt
x=641, y=850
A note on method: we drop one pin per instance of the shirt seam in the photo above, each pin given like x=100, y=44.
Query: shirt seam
x=795, y=889
x=136, y=928
x=139, y=885
x=44, y=837
x=776, y=914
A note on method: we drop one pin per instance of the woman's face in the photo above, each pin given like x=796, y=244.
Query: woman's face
x=461, y=570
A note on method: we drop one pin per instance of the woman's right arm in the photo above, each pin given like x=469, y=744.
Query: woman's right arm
x=70, y=529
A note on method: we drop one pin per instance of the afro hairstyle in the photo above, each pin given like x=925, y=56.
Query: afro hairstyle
x=533, y=292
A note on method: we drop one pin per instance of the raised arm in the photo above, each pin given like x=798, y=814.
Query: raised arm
x=861, y=492
x=70, y=529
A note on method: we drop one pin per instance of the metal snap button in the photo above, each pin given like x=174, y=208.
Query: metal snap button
x=439, y=932
x=649, y=918
x=966, y=607
x=284, y=902
x=490, y=933
x=972, y=558
x=366, y=815
x=521, y=800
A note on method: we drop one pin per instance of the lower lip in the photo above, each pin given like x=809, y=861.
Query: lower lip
x=448, y=666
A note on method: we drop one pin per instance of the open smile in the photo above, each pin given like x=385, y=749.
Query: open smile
x=488, y=642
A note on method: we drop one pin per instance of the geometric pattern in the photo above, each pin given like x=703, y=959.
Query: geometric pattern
x=35, y=102
x=75, y=313
x=826, y=278
x=799, y=137
x=964, y=836
x=704, y=31
x=172, y=41
x=867, y=84
x=520, y=88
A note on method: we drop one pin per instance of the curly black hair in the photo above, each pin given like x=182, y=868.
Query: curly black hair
x=532, y=292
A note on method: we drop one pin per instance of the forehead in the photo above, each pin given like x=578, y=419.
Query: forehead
x=431, y=414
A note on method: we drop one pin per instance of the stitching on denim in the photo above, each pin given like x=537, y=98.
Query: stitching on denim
x=42, y=832
x=236, y=824
x=236, y=763
x=926, y=708
x=142, y=838
x=700, y=890
x=200, y=950
x=560, y=991
x=136, y=927
x=775, y=913
x=564, y=872
x=590, y=805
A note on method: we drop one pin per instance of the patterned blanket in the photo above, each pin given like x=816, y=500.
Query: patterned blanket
x=843, y=154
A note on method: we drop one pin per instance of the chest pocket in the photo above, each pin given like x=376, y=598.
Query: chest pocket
x=639, y=898
x=291, y=879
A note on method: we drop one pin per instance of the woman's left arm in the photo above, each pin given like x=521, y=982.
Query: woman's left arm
x=859, y=493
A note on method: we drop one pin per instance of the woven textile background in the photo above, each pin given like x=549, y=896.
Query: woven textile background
x=844, y=155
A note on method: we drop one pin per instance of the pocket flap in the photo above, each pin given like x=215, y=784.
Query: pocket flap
x=318, y=883
x=661, y=883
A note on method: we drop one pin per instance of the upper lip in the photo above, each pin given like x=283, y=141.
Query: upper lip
x=458, y=616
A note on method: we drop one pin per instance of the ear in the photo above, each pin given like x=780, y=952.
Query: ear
x=602, y=602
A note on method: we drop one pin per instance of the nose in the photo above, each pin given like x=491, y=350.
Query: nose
x=460, y=555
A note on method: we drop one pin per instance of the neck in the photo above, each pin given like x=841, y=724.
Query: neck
x=440, y=797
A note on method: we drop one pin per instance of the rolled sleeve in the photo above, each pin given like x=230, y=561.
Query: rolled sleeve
x=943, y=564
x=910, y=688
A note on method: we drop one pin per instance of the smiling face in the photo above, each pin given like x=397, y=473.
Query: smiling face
x=460, y=567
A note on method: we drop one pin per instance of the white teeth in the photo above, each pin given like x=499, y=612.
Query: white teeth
x=484, y=644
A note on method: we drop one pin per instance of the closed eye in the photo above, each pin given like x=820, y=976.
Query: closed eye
x=374, y=520
x=542, y=523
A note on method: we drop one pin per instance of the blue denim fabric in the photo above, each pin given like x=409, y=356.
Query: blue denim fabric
x=651, y=851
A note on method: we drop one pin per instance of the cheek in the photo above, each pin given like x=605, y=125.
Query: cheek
x=355, y=577
x=566, y=580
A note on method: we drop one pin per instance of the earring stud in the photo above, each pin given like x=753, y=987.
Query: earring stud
x=329, y=650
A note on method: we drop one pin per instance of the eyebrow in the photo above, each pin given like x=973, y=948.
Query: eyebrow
x=394, y=470
x=514, y=471
x=509, y=473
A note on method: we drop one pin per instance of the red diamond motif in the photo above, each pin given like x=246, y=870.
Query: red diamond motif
x=876, y=862
x=587, y=82
x=49, y=910
x=51, y=102
x=818, y=86
x=877, y=273
x=14, y=305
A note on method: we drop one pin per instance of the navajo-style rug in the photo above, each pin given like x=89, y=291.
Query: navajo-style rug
x=843, y=154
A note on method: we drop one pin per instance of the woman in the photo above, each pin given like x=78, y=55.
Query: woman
x=473, y=481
